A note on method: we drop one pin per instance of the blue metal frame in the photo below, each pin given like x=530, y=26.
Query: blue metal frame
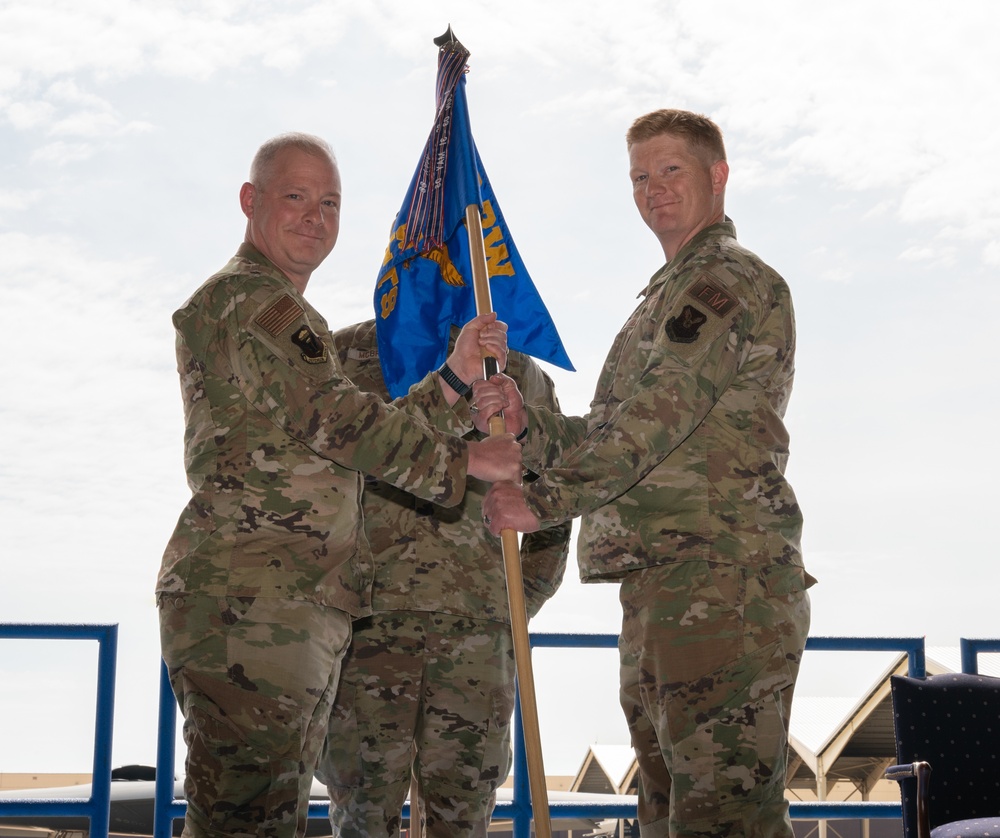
x=970, y=652
x=165, y=808
x=803, y=810
x=518, y=810
x=98, y=807
x=913, y=646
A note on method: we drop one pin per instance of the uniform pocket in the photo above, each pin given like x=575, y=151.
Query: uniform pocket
x=782, y=580
x=342, y=763
x=497, y=755
x=225, y=715
x=738, y=756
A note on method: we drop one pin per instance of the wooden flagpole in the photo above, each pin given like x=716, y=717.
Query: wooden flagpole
x=512, y=564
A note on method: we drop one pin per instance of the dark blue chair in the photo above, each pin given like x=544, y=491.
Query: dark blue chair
x=948, y=753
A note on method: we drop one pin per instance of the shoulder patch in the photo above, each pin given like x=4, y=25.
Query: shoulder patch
x=713, y=297
x=683, y=328
x=311, y=344
x=280, y=316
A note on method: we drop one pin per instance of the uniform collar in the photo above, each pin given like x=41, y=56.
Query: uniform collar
x=249, y=253
x=722, y=228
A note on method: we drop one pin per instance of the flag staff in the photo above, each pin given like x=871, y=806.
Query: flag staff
x=512, y=568
x=508, y=539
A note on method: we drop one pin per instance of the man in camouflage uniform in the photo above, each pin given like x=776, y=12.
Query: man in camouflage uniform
x=263, y=572
x=428, y=682
x=677, y=472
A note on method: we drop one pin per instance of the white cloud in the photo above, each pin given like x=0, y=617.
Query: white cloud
x=918, y=253
x=856, y=92
x=837, y=274
x=97, y=123
x=859, y=129
x=65, y=109
x=880, y=210
x=84, y=290
x=62, y=154
x=116, y=38
x=48, y=39
x=88, y=334
x=871, y=106
x=25, y=115
x=932, y=255
x=18, y=199
x=68, y=91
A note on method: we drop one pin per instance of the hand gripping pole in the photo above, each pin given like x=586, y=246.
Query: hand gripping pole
x=512, y=565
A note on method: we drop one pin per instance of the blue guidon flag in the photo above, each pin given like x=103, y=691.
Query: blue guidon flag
x=425, y=282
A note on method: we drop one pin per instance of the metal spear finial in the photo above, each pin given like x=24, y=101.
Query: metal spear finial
x=449, y=42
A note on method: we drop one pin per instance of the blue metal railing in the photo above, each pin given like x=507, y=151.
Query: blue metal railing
x=913, y=646
x=518, y=810
x=971, y=648
x=98, y=807
x=165, y=808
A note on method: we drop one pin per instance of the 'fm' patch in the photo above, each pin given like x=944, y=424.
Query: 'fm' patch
x=713, y=297
x=312, y=346
x=683, y=328
x=280, y=316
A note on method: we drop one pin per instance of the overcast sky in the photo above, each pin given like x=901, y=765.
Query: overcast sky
x=862, y=139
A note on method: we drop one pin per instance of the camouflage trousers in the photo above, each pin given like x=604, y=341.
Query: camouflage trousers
x=426, y=693
x=255, y=679
x=709, y=655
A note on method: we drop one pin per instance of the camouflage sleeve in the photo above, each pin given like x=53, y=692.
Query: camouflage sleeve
x=551, y=435
x=543, y=564
x=543, y=553
x=284, y=367
x=421, y=401
x=426, y=402
x=674, y=365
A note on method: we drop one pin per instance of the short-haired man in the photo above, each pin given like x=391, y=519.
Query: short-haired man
x=678, y=474
x=263, y=572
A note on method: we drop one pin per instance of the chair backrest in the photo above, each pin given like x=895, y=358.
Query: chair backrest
x=953, y=722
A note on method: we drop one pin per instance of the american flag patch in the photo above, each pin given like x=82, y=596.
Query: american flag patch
x=280, y=316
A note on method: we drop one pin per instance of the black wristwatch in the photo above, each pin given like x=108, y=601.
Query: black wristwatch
x=453, y=381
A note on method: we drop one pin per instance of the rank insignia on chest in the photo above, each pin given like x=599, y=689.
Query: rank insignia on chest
x=312, y=346
x=683, y=327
